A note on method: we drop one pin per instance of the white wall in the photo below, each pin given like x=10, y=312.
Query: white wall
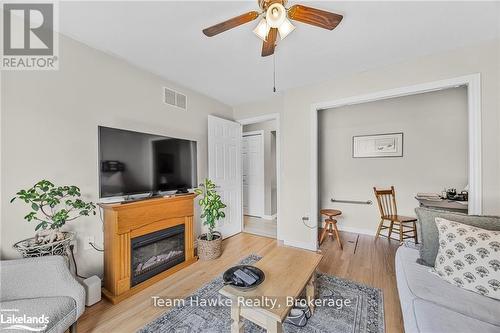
x=269, y=161
x=295, y=124
x=435, y=154
x=49, y=130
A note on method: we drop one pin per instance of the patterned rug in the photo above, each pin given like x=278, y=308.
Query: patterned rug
x=364, y=314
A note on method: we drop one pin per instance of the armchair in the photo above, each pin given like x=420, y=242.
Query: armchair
x=40, y=287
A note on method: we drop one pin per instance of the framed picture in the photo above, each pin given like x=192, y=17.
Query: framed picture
x=378, y=145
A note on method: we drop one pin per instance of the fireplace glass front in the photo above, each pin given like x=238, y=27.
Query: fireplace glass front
x=156, y=252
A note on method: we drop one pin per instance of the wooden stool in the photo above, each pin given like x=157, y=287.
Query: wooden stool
x=330, y=225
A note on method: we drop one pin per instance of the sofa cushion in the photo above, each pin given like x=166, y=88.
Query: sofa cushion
x=429, y=233
x=469, y=257
x=60, y=313
x=432, y=318
x=416, y=283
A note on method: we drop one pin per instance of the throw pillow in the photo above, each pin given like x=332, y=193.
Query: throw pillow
x=428, y=235
x=469, y=257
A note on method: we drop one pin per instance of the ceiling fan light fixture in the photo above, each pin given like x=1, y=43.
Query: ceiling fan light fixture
x=285, y=28
x=262, y=29
x=275, y=15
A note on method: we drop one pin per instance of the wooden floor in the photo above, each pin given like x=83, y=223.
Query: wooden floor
x=259, y=226
x=363, y=260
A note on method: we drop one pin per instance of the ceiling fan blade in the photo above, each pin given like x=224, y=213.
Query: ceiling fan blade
x=270, y=43
x=231, y=23
x=313, y=16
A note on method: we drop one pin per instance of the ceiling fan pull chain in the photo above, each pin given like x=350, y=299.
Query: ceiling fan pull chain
x=274, y=72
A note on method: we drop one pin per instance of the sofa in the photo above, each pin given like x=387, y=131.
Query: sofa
x=42, y=288
x=430, y=304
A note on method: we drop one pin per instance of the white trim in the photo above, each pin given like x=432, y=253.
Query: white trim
x=473, y=79
x=251, y=133
x=475, y=145
x=473, y=83
x=259, y=119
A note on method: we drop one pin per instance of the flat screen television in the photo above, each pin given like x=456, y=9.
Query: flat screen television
x=140, y=163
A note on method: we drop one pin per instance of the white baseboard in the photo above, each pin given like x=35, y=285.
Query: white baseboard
x=269, y=217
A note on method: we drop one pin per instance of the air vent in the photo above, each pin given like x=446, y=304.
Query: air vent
x=174, y=98
x=180, y=101
x=169, y=97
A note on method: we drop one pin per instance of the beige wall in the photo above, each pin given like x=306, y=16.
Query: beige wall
x=49, y=127
x=269, y=162
x=296, y=123
x=435, y=153
x=272, y=105
x=49, y=130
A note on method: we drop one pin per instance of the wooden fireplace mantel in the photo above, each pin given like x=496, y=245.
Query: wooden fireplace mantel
x=124, y=221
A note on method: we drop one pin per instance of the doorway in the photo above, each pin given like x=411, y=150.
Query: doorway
x=472, y=84
x=253, y=162
x=432, y=154
x=260, y=176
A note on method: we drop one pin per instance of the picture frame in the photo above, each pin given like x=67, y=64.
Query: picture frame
x=377, y=145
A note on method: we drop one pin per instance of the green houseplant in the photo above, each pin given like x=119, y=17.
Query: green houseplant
x=51, y=208
x=210, y=243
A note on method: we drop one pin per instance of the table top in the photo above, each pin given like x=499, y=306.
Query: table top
x=287, y=272
x=443, y=203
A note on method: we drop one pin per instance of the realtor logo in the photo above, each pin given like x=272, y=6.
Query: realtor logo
x=29, y=41
x=11, y=320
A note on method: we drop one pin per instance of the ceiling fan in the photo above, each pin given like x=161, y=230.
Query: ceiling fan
x=275, y=20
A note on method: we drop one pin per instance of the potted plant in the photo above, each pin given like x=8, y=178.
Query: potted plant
x=51, y=207
x=210, y=243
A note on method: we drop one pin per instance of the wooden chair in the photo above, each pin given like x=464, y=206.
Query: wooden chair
x=330, y=225
x=389, y=212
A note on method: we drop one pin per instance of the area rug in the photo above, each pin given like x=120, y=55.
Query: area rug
x=365, y=313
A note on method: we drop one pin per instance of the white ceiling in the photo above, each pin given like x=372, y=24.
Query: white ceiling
x=165, y=38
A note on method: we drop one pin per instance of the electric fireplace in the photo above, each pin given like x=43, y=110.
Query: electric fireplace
x=156, y=252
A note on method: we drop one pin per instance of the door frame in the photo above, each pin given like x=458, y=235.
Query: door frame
x=259, y=119
x=263, y=167
x=473, y=84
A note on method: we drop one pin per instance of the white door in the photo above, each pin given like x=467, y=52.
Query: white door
x=224, y=168
x=253, y=174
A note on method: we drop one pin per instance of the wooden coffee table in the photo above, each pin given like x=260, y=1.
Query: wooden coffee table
x=288, y=271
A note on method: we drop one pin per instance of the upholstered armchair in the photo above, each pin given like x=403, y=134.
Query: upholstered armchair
x=41, y=287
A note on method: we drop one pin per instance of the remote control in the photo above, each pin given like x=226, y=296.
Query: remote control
x=248, y=279
x=249, y=272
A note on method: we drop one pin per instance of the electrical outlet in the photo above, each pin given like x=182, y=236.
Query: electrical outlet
x=87, y=240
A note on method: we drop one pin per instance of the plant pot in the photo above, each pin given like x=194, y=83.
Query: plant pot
x=29, y=248
x=209, y=249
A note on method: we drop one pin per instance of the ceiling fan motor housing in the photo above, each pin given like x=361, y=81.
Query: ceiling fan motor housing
x=275, y=15
x=264, y=4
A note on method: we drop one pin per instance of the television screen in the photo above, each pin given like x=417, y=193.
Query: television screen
x=134, y=163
